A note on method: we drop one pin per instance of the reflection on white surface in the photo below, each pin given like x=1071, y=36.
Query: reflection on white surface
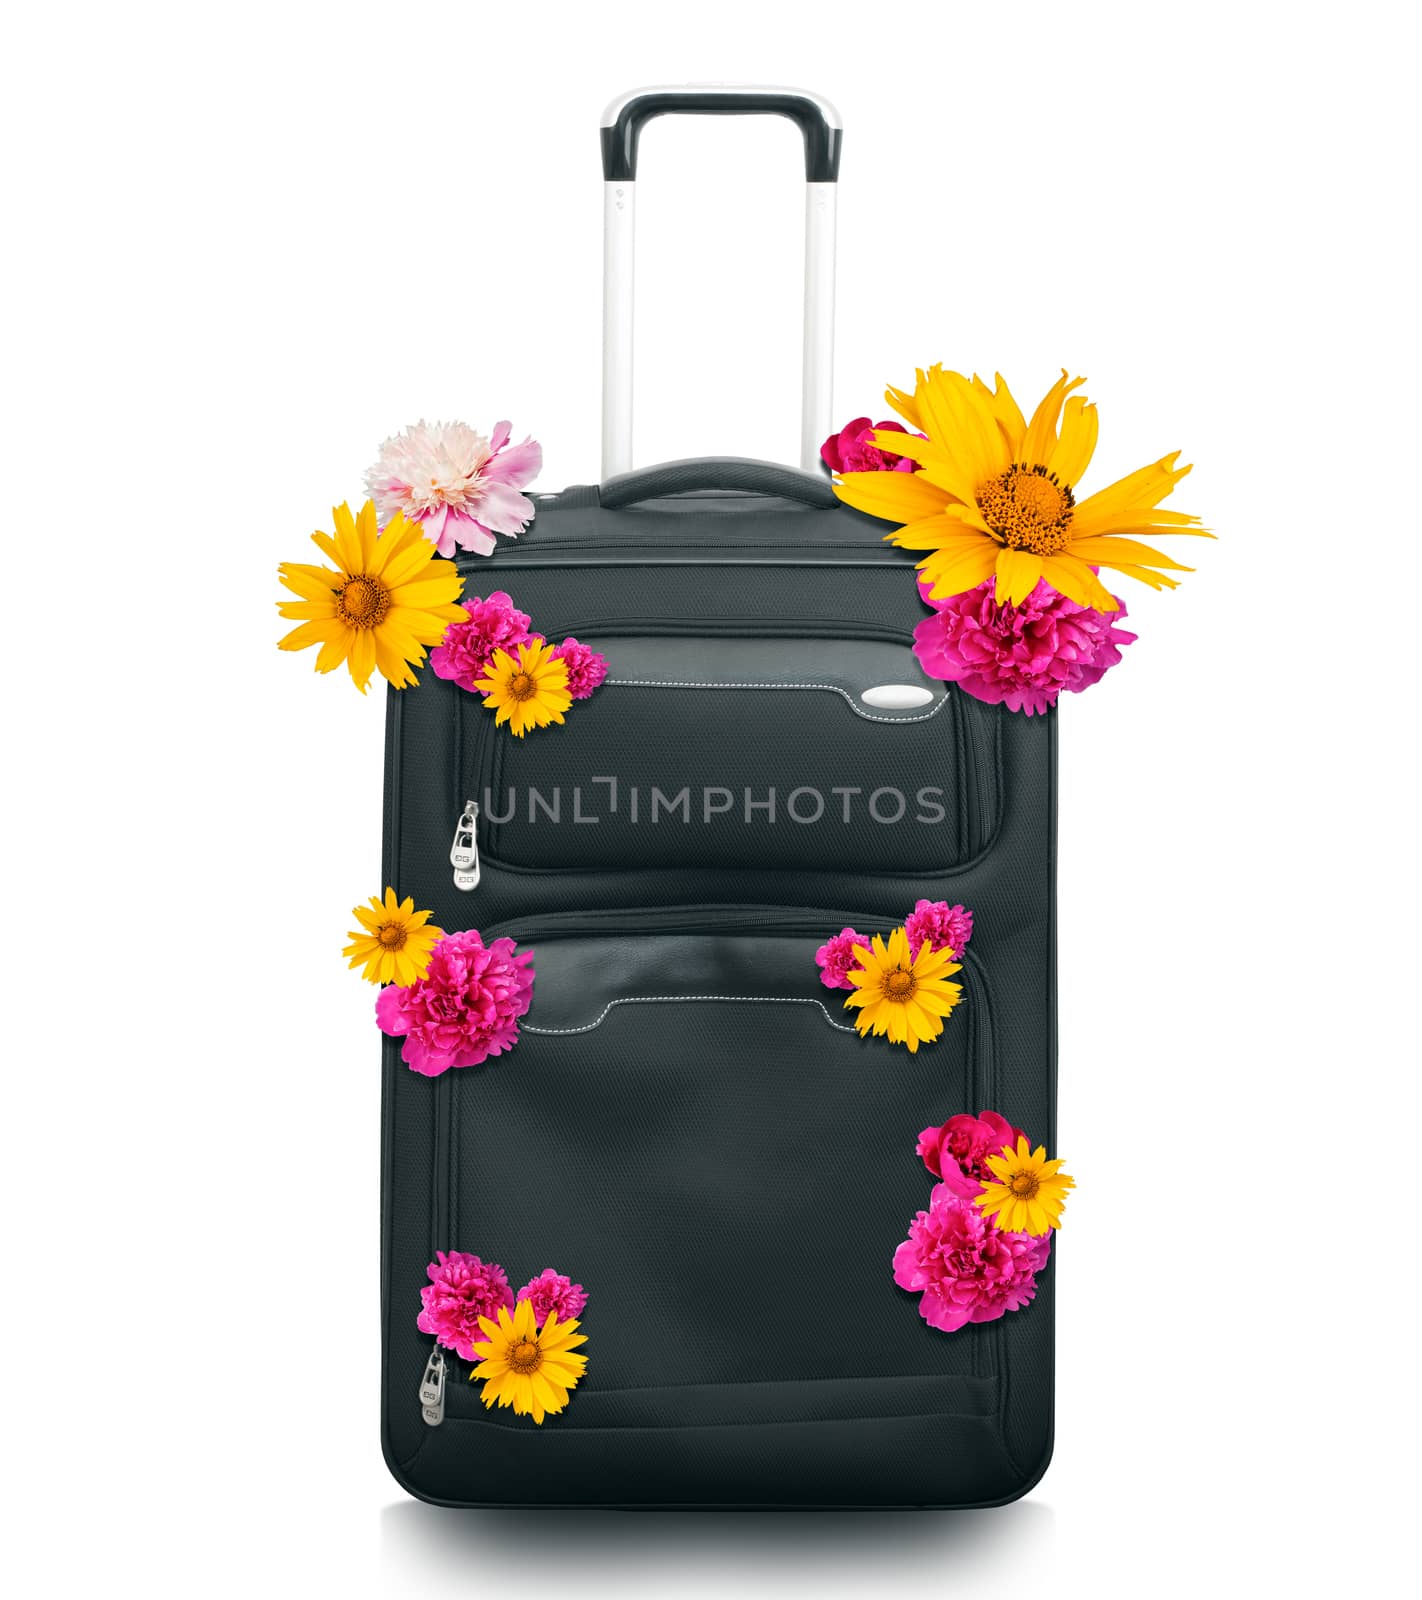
x=436, y=1551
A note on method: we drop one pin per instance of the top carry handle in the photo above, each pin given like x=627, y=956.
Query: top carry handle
x=622, y=125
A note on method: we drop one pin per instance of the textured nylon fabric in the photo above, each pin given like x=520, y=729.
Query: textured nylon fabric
x=728, y=1177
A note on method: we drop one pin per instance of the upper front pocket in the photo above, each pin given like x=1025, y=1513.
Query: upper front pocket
x=738, y=753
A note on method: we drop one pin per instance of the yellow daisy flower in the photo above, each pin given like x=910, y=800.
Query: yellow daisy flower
x=1030, y=1191
x=387, y=600
x=532, y=1369
x=396, y=943
x=996, y=495
x=528, y=692
x=904, y=997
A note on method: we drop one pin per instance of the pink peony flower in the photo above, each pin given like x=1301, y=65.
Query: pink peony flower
x=586, y=667
x=966, y=1141
x=853, y=450
x=1021, y=656
x=939, y=924
x=464, y=1009
x=965, y=1268
x=551, y=1291
x=459, y=486
x=493, y=624
x=837, y=959
x=462, y=1288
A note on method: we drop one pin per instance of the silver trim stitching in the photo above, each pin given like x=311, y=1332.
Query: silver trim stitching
x=832, y=688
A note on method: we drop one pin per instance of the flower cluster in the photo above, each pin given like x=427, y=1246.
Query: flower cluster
x=899, y=987
x=1013, y=558
x=528, y=682
x=932, y=922
x=976, y=1251
x=435, y=488
x=524, y=1344
x=466, y=1006
x=459, y=486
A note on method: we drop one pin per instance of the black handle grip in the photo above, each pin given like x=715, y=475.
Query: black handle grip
x=716, y=472
x=815, y=119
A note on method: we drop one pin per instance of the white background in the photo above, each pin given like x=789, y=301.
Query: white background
x=243, y=245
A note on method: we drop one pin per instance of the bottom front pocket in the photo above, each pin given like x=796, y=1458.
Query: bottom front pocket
x=691, y=1128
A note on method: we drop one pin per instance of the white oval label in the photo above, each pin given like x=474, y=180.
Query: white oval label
x=897, y=696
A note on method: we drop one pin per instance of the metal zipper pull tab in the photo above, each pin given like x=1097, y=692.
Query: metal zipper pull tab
x=432, y=1389
x=464, y=853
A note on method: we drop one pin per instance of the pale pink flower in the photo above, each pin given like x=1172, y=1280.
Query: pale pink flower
x=1021, y=656
x=462, y=1288
x=461, y=487
x=552, y=1291
x=467, y=647
x=941, y=925
x=836, y=959
x=964, y=1267
x=465, y=1008
x=586, y=667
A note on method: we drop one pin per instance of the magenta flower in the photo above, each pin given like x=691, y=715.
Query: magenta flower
x=836, y=959
x=586, y=667
x=459, y=486
x=465, y=650
x=551, y=1291
x=462, y=1288
x=963, y=1143
x=965, y=1268
x=853, y=450
x=939, y=924
x=464, y=1009
x=1020, y=656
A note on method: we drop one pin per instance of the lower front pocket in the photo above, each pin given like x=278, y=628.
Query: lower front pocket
x=691, y=1128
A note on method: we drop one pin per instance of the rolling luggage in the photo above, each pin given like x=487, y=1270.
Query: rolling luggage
x=689, y=1124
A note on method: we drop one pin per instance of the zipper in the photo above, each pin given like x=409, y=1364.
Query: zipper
x=464, y=852
x=986, y=773
x=680, y=919
x=432, y=1389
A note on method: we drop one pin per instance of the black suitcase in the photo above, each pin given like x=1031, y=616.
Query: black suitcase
x=689, y=1124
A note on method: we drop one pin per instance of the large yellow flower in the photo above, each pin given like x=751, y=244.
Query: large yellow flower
x=1030, y=1191
x=529, y=691
x=995, y=494
x=396, y=943
x=906, y=998
x=532, y=1369
x=387, y=600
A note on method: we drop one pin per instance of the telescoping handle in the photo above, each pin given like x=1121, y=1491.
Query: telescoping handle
x=622, y=125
